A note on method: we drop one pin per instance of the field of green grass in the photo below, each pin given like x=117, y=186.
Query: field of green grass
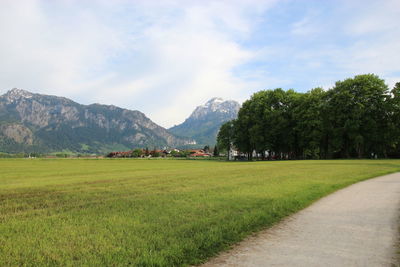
x=116, y=212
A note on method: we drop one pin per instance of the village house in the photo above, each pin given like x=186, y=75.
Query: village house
x=199, y=153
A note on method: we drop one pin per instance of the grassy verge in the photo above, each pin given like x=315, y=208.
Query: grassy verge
x=78, y=212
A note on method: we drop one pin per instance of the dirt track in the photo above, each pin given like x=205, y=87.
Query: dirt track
x=356, y=226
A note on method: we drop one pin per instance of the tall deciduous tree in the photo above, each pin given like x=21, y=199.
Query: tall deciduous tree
x=225, y=136
x=394, y=121
x=216, y=151
x=357, y=115
x=308, y=115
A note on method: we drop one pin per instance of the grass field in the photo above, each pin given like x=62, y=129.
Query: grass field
x=76, y=212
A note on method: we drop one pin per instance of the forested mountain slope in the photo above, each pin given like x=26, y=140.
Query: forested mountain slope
x=205, y=121
x=41, y=123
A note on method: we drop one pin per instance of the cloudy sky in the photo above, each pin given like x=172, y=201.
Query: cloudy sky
x=166, y=57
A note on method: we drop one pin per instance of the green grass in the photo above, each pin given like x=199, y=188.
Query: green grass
x=77, y=212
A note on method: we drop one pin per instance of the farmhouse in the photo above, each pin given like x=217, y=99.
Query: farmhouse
x=200, y=155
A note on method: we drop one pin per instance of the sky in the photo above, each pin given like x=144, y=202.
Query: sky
x=165, y=57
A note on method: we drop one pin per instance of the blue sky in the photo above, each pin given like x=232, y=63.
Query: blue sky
x=166, y=57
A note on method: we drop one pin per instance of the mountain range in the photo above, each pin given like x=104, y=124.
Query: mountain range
x=204, y=123
x=43, y=123
x=31, y=122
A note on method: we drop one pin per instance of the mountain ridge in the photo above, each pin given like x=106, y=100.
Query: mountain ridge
x=204, y=122
x=46, y=123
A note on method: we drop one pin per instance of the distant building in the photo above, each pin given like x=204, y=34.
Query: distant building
x=200, y=155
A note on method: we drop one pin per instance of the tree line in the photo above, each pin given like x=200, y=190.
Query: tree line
x=358, y=118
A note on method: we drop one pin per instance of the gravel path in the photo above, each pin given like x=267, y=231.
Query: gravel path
x=355, y=226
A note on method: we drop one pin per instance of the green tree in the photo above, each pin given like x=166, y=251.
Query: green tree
x=357, y=116
x=267, y=123
x=136, y=153
x=216, y=152
x=308, y=115
x=225, y=136
x=241, y=129
x=393, y=145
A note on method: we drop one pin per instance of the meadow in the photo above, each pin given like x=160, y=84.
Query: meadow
x=119, y=212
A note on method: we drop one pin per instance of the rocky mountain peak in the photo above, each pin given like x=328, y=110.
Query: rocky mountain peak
x=205, y=121
x=214, y=101
x=15, y=94
x=215, y=105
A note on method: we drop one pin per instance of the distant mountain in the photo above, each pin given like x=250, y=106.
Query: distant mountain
x=205, y=121
x=41, y=123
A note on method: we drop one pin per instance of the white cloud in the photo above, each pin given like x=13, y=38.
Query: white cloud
x=40, y=51
x=165, y=57
x=161, y=58
x=306, y=26
x=330, y=42
x=376, y=35
x=373, y=17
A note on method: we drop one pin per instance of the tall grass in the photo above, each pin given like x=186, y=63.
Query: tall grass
x=76, y=212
